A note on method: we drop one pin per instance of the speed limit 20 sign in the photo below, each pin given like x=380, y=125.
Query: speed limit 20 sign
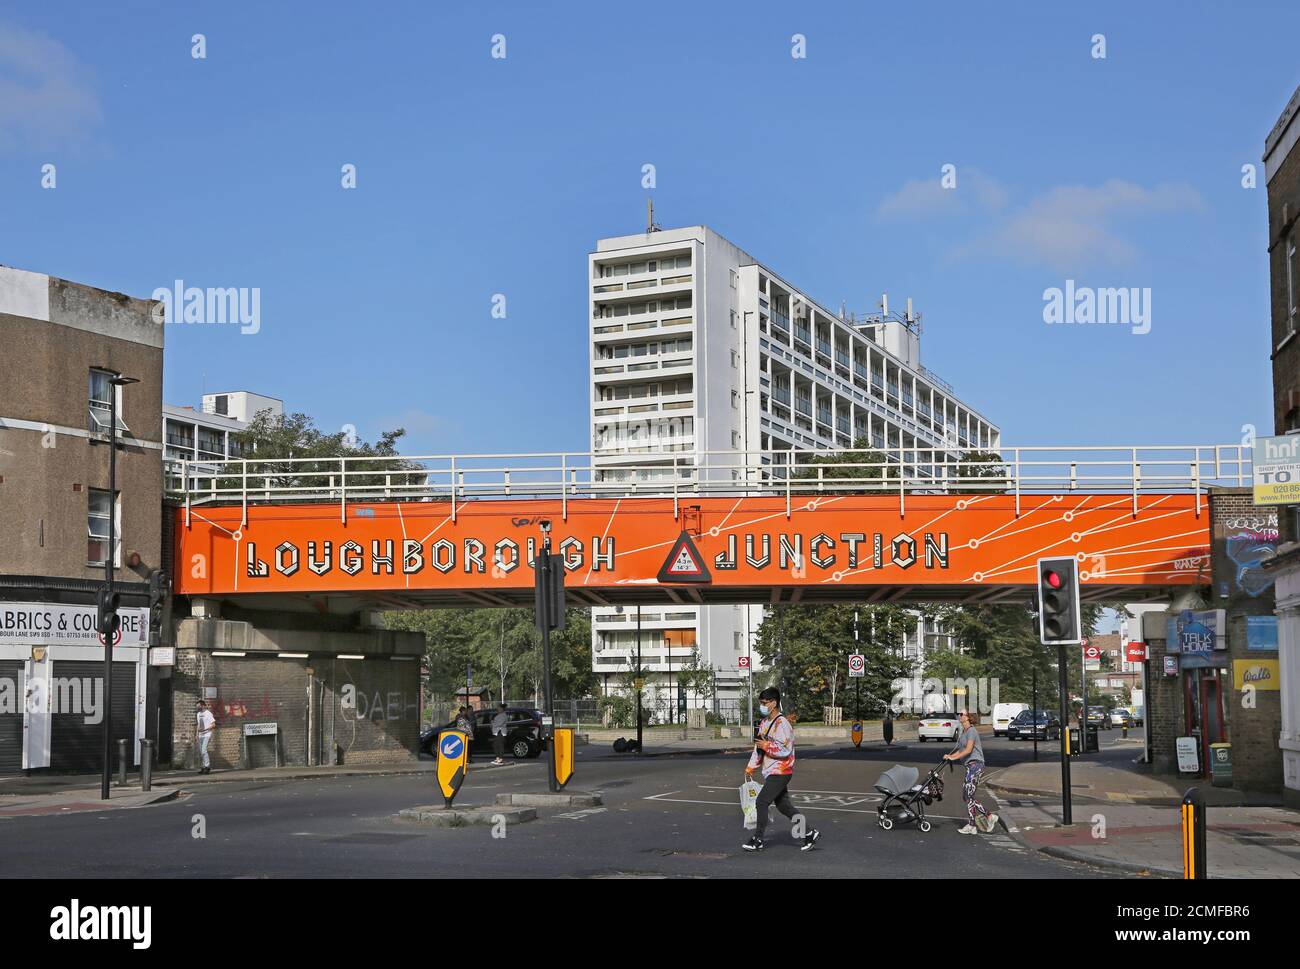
x=857, y=665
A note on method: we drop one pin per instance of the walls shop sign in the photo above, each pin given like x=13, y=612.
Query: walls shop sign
x=59, y=624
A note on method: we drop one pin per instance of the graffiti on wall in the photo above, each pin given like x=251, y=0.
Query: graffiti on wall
x=1249, y=539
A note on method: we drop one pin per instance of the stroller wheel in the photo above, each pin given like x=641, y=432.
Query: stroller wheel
x=924, y=826
x=886, y=823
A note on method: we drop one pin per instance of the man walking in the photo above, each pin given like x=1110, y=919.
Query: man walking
x=207, y=723
x=774, y=755
x=500, y=723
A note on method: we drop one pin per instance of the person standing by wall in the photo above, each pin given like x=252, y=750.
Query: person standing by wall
x=207, y=724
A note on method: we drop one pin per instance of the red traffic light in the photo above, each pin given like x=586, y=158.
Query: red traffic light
x=1052, y=578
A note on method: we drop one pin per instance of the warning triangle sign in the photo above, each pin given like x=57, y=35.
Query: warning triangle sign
x=684, y=563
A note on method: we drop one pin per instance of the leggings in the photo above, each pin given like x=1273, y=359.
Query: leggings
x=974, y=769
x=773, y=792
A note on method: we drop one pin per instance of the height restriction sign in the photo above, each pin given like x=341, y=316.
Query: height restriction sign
x=857, y=665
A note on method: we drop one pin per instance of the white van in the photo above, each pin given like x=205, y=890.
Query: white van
x=1003, y=714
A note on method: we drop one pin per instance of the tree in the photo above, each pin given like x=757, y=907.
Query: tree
x=974, y=466
x=807, y=650
x=505, y=643
x=856, y=470
x=1005, y=640
x=698, y=677
x=273, y=439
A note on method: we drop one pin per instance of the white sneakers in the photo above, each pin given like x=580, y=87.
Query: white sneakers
x=986, y=824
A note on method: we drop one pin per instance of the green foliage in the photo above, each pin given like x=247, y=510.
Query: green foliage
x=1003, y=641
x=271, y=438
x=501, y=645
x=699, y=679
x=807, y=648
x=621, y=708
x=868, y=467
x=978, y=465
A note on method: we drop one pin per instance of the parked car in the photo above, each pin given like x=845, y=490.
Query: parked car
x=943, y=726
x=1097, y=718
x=1003, y=714
x=1119, y=717
x=1035, y=723
x=523, y=734
x=1137, y=714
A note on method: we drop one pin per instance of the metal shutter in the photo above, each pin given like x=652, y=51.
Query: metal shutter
x=11, y=720
x=75, y=744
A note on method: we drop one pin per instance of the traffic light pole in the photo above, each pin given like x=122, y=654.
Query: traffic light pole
x=545, y=563
x=107, y=634
x=638, y=682
x=1035, y=716
x=1067, y=816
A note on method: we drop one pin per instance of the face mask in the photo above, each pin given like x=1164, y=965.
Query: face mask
x=766, y=710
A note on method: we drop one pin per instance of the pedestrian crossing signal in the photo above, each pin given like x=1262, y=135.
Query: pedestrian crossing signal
x=684, y=563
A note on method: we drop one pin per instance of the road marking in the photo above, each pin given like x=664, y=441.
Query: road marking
x=686, y=800
x=579, y=815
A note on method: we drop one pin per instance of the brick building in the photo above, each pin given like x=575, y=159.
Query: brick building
x=1282, y=173
x=1201, y=650
x=66, y=344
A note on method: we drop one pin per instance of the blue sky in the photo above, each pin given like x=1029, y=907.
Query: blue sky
x=479, y=176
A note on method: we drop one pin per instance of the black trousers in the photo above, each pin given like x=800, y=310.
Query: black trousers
x=773, y=792
x=498, y=745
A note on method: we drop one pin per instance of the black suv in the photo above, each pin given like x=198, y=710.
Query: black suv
x=1043, y=723
x=523, y=734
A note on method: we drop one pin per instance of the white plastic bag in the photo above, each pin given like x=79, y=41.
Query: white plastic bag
x=748, y=796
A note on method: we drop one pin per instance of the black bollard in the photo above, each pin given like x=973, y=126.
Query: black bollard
x=146, y=764
x=121, y=762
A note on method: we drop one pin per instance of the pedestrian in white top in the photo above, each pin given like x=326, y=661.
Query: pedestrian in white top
x=207, y=723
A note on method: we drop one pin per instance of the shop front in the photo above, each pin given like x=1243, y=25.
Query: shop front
x=53, y=700
x=1198, y=639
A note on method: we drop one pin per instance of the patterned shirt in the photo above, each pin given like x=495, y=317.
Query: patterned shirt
x=776, y=755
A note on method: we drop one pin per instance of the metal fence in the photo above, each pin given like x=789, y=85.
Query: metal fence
x=786, y=474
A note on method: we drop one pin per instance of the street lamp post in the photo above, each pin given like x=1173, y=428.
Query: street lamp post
x=114, y=383
x=638, y=682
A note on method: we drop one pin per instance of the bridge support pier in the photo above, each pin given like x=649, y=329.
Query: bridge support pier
x=294, y=696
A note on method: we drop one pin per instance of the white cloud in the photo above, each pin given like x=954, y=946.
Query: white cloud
x=1071, y=227
x=46, y=99
x=1068, y=227
x=924, y=197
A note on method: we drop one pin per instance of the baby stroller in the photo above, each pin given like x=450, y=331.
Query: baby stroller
x=905, y=799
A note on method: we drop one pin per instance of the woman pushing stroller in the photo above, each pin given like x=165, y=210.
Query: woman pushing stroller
x=971, y=751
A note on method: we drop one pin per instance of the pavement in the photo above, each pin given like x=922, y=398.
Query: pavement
x=80, y=800
x=1117, y=779
x=1240, y=842
x=1127, y=818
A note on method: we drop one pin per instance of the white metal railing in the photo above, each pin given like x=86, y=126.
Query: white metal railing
x=789, y=474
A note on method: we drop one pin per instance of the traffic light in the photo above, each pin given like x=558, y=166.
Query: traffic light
x=548, y=590
x=108, y=619
x=1058, y=601
x=157, y=596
